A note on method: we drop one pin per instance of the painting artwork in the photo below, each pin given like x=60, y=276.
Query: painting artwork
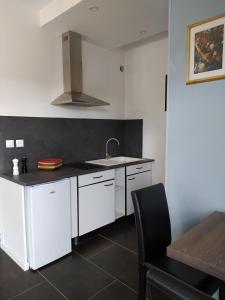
x=206, y=53
x=209, y=49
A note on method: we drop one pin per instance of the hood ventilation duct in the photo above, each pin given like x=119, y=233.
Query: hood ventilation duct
x=73, y=75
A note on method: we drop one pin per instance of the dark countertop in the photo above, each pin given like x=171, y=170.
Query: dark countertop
x=39, y=176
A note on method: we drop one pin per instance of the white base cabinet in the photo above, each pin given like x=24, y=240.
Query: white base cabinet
x=96, y=198
x=120, y=192
x=96, y=206
x=48, y=222
x=38, y=222
x=137, y=181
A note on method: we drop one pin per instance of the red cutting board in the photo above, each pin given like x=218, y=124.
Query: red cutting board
x=50, y=161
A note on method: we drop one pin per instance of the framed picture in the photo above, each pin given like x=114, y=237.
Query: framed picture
x=206, y=50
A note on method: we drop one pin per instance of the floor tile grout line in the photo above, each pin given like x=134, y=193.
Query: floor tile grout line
x=27, y=290
x=89, y=257
x=92, y=263
x=100, y=234
x=118, y=244
x=128, y=287
x=100, y=252
x=101, y=290
x=111, y=275
x=49, y=282
x=88, y=239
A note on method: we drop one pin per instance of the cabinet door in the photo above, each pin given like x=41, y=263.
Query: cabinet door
x=120, y=191
x=136, y=182
x=49, y=222
x=96, y=206
x=73, y=193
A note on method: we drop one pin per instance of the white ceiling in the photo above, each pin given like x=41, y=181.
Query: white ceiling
x=116, y=24
x=38, y=4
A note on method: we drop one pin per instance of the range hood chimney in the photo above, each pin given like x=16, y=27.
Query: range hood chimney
x=73, y=75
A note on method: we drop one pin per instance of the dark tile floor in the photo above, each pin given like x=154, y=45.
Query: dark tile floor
x=103, y=266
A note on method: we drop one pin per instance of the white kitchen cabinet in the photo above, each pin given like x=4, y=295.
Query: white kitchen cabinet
x=48, y=222
x=136, y=182
x=120, y=192
x=73, y=193
x=13, y=229
x=38, y=222
x=96, y=206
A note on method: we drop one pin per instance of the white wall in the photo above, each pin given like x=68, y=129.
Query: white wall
x=31, y=69
x=145, y=69
x=31, y=77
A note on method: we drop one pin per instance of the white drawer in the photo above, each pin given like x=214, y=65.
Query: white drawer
x=134, y=169
x=95, y=177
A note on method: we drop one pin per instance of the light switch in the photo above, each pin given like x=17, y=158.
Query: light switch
x=9, y=143
x=19, y=143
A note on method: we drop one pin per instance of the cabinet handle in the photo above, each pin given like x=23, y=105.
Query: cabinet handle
x=132, y=178
x=97, y=177
x=139, y=168
x=52, y=192
x=108, y=184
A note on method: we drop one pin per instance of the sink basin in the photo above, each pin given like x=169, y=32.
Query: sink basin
x=113, y=161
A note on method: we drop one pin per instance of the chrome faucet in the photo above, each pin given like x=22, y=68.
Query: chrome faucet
x=107, y=156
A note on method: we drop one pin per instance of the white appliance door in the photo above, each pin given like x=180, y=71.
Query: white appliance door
x=136, y=182
x=50, y=222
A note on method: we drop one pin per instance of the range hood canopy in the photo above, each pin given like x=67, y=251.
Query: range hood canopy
x=73, y=75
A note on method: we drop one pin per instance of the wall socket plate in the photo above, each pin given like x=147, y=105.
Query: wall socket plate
x=19, y=143
x=10, y=144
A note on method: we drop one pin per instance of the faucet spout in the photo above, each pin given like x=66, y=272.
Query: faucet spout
x=107, y=155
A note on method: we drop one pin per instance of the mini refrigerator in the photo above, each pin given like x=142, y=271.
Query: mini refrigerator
x=48, y=222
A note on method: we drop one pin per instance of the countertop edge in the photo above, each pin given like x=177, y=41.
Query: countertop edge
x=41, y=177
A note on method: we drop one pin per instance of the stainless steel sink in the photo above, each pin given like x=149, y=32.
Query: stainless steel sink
x=113, y=161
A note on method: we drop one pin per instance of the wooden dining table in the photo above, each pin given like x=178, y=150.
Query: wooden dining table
x=203, y=246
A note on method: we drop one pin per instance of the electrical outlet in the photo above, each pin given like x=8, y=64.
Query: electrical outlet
x=10, y=144
x=19, y=143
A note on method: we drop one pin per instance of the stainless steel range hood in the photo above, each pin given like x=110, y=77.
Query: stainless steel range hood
x=72, y=74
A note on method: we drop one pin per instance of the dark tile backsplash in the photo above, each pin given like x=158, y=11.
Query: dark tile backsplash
x=71, y=139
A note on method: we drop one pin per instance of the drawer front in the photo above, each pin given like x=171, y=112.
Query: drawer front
x=134, y=169
x=95, y=177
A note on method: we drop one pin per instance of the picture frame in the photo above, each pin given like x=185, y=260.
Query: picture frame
x=206, y=50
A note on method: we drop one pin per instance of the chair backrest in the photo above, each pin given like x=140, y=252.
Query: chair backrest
x=161, y=285
x=152, y=221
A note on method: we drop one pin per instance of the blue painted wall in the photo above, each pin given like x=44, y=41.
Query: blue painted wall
x=195, y=160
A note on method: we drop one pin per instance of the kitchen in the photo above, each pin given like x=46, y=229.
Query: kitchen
x=83, y=89
x=39, y=73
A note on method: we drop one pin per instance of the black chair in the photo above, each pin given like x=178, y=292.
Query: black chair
x=163, y=286
x=154, y=235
